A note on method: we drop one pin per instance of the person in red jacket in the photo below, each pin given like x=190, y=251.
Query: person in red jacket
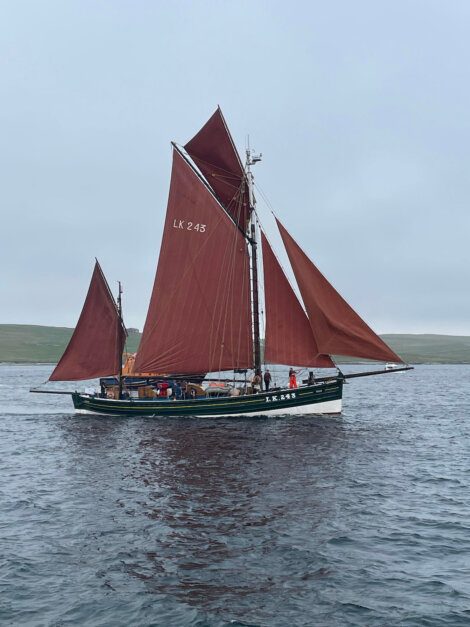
x=292, y=378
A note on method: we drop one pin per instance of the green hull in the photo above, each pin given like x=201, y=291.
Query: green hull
x=322, y=398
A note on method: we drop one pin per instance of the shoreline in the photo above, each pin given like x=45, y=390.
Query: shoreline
x=348, y=363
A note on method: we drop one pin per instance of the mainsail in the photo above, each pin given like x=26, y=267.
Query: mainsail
x=214, y=152
x=199, y=317
x=288, y=335
x=95, y=348
x=337, y=328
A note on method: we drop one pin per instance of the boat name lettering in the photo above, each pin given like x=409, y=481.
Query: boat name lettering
x=280, y=397
x=189, y=226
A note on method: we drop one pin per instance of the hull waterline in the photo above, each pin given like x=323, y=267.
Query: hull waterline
x=324, y=398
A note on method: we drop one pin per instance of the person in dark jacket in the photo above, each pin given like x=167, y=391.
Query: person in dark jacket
x=267, y=380
x=178, y=392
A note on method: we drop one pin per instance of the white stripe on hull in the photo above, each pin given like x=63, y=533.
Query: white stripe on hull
x=328, y=407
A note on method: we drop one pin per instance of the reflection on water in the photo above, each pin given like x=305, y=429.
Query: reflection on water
x=220, y=491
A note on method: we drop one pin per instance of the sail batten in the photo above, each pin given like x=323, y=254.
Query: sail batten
x=96, y=346
x=288, y=336
x=337, y=328
x=213, y=151
x=199, y=317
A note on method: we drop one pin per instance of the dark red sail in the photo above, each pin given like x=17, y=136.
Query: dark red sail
x=199, y=317
x=337, y=328
x=95, y=348
x=214, y=153
x=288, y=336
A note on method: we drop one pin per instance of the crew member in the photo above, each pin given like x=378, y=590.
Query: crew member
x=292, y=378
x=256, y=383
x=267, y=380
x=177, y=389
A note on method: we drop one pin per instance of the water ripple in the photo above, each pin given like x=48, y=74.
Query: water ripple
x=362, y=520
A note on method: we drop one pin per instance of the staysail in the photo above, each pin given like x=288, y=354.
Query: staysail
x=95, y=348
x=337, y=328
x=288, y=336
x=213, y=151
x=199, y=317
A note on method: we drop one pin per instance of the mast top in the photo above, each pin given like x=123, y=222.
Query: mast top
x=251, y=159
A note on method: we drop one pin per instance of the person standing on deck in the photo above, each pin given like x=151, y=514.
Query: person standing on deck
x=267, y=380
x=177, y=390
x=256, y=382
x=292, y=378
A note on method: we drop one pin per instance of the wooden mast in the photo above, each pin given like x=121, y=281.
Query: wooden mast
x=119, y=304
x=251, y=159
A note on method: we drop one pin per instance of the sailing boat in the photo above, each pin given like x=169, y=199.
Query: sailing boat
x=204, y=315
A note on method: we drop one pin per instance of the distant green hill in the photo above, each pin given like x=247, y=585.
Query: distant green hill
x=426, y=348
x=430, y=348
x=23, y=343
x=32, y=344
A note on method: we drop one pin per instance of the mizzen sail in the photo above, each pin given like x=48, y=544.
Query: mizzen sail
x=199, y=317
x=288, y=336
x=213, y=151
x=337, y=328
x=95, y=348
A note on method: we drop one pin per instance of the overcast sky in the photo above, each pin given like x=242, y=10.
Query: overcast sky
x=361, y=110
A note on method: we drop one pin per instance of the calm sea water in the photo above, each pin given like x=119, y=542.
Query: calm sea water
x=359, y=520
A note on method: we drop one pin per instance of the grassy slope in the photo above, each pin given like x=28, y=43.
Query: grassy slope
x=431, y=348
x=425, y=348
x=31, y=344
